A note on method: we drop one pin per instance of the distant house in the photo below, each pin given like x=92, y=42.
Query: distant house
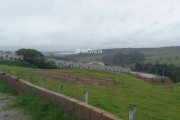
x=10, y=56
x=97, y=65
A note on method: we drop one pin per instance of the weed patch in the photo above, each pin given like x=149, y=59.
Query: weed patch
x=40, y=109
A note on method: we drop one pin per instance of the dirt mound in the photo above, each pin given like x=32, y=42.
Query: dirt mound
x=164, y=80
x=77, y=79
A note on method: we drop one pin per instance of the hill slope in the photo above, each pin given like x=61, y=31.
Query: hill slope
x=154, y=102
x=162, y=54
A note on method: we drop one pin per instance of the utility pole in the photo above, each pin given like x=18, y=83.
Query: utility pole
x=156, y=71
x=163, y=72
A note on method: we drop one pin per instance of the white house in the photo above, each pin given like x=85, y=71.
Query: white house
x=10, y=56
x=61, y=63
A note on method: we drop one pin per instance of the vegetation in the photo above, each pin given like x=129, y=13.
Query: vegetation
x=39, y=109
x=171, y=70
x=123, y=59
x=4, y=88
x=34, y=107
x=57, y=57
x=154, y=58
x=36, y=58
x=19, y=63
x=161, y=54
x=154, y=102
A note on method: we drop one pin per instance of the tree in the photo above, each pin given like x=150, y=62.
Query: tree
x=7, y=52
x=123, y=59
x=35, y=57
x=170, y=70
x=176, y=58
x=157, y=62
x=138, y=66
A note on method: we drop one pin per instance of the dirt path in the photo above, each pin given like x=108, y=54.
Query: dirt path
x=9, y=114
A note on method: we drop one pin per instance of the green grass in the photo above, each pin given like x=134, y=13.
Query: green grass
x=39, y=109
x=164, y=60
x=34, y=107
x=154, y=102
x=165, y=54
x=17, y=63
x=4, y=88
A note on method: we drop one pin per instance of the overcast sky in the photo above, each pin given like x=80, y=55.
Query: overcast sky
x=53, y=25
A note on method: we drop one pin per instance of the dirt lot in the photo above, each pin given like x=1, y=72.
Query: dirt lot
x=77, y=79
x=88, y=80
x=9, y=114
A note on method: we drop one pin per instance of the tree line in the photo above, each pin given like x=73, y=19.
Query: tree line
x=168, y=70
x=123, y=59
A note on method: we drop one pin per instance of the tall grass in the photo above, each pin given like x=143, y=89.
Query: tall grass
x=39, y=109
x=4, y=88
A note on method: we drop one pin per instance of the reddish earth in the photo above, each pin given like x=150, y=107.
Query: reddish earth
x=78, y=79
x=167, y=80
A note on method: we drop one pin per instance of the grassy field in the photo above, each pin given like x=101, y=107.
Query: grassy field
x=154, y=102
x=163, y=56
x=163, y=60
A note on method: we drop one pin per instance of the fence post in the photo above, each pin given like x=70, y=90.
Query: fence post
x=8, y=71
x=86, y=97
x=4, y=70
x=60, y=89
x=132, y=113
x=43, y=80
x=22, y=76
x=30, y=78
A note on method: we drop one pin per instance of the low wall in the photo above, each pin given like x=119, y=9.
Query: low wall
x=73, y=106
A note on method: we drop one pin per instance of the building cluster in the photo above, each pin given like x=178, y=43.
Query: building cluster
x=10, y=56
x=62, y=63
x=96, y=66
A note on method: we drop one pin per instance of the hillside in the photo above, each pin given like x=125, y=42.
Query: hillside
x=153, y=101
x=162, y=54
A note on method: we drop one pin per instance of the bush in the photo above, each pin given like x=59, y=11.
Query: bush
x=162, y=80
x=17, y=63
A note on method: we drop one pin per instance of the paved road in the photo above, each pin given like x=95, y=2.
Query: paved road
x=9, y=114
x=147, y=75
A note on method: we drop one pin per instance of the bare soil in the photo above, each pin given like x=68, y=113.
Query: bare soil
x=78, y=79
x=10, y=113
x=167, y=80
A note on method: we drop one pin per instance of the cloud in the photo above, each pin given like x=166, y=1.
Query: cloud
x=83, y=24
